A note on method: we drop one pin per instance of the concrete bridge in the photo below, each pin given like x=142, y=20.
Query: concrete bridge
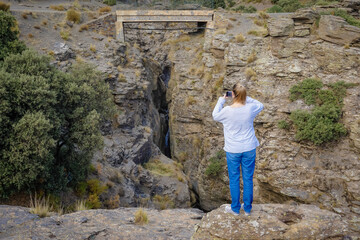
x=134, y=16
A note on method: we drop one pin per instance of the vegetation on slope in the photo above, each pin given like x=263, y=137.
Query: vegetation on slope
x=322, y=123
x=49, y=120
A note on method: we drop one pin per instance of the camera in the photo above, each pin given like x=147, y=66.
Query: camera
x=229, y=94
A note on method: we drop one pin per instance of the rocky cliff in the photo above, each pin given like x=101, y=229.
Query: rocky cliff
x=268, y=55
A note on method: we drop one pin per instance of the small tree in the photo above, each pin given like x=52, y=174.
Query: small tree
x=9, y=32
x=49, y=122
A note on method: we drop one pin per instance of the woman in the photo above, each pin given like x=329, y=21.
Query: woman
x=240, y=144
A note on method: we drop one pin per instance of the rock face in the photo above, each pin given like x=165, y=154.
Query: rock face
x=273, y=221
x=16, y=223
x=336, y=30
x=286, y=169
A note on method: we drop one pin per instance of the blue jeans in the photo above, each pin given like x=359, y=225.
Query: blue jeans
x=247, y=162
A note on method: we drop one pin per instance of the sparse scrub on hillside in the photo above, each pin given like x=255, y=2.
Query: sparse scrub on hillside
x=258, y=33
x=183, y=38
x=141, y=217
x=57, y=7
x=158, y=167
x=245, y=9
x=105, y=9
x=321, y=124
x=110, y=2
x=73, y=16
x=217, y=164
x=285, y=6
x=4, y=6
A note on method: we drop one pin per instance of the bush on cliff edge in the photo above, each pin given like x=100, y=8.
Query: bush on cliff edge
x=322, y=123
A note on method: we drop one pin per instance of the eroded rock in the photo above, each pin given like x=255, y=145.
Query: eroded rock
x=273, y=221
x=336, y=30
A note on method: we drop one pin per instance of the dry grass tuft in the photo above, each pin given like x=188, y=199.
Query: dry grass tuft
x=84, y=27
x=258, y=33
x=73, y=15
x=80, y=206
x=220, y=31
x=4, y=6
x=141, y=217
x=240, y=38
x=252, y=57
x=105, y=9
x=263, y=15
x=250, y=73
x=24, y=15
x=40, y=206
x=92, y=48
x=65, y=35
x=57, y=7
x=190, y=100
x=122, y=78
x=184, y=38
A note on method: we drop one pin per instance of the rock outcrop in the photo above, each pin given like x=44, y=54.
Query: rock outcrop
x=336, y=30
x=273, y=221
x=17, y=223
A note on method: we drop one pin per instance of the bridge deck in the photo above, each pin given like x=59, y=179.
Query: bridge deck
x=161, y=16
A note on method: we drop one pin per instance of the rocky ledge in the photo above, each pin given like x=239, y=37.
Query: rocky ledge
x=273, y=221
x=18, y=223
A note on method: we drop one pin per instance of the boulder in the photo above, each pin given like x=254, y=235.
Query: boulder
x=273, y=221
x=306, y=15
x=280, y=27
x=336, y=30
x=63, y=51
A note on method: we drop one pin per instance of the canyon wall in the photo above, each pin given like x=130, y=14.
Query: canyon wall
x=289, y=49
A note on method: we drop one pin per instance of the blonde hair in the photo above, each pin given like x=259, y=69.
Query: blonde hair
x=240, y=93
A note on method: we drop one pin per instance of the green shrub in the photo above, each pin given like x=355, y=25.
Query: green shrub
x=216, y=165
x=9, y=32
x=307, y=90
x=245, y=9
x=283, y=124
x=231, y=3
x=110, y=2
x=275, y=9
x=285, y=6
x=49, y=122
x=322, y=123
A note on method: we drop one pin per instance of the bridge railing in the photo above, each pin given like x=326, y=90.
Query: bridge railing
x=165, y=4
